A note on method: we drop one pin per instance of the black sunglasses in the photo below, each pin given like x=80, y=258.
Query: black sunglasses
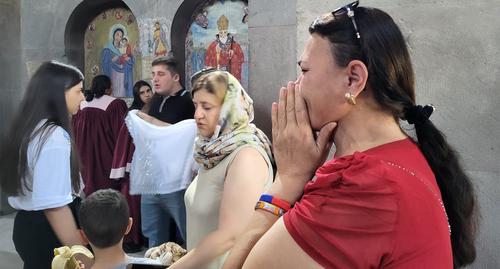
x=349, y=10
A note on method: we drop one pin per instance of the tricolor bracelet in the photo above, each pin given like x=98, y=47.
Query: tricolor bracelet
x=275, y=201
x=278, y=211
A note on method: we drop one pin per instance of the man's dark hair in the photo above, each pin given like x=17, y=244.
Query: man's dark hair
x=104, y=217
x=169, y=62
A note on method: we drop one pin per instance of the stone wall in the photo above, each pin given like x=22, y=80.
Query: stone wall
x=10, y=60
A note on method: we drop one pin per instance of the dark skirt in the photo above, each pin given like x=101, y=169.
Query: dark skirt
x=34, y=238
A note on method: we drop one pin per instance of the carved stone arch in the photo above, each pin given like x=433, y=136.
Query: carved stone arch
x=80, y=18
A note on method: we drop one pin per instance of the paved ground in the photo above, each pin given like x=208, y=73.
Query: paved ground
x=8, y=255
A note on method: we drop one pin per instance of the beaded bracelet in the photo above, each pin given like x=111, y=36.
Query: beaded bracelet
x=275, y=201
x=278, y=211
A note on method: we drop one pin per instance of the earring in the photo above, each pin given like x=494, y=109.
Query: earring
x=350, y=99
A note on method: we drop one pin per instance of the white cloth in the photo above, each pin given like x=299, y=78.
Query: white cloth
x=134, y=260
x=163, y=156
x=50, y=175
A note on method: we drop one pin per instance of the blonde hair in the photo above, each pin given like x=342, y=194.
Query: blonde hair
x=215, y=82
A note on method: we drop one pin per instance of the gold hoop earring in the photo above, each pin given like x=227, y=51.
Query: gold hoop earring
x=350, y=99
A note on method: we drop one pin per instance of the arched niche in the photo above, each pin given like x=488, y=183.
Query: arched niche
x=80, y=18
x=180, y=25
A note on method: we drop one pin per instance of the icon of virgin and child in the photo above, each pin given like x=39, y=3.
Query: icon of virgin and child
x=118, y=62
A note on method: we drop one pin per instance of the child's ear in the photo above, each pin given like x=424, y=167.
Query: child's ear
x=129, y=226
x=82, y=235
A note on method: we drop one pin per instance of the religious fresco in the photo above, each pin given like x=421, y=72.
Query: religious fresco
x=218, y=37
x=154, y=41
x=112, y=48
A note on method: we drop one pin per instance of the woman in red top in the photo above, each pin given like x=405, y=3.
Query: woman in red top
x=385, y=201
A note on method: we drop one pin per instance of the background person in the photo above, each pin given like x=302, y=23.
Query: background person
x=39, y=165
x=385, y=201
x=96, y=126
x=142, y=95
x=237, y=168
x=120, y=169
x=170, y=104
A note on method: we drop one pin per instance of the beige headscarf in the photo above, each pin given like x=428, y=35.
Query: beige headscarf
x=233, y=130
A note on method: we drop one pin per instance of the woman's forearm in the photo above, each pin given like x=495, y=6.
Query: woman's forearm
x=152, y=119
x=63, y=224
x=207, y=251
x=260, y=223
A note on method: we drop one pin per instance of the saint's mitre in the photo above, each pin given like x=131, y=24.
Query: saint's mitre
x=222, y=23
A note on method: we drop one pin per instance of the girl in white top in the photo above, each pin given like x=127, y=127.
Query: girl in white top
x=237, y=169
x=39, y=165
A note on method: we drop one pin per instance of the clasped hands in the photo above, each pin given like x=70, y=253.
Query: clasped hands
x=298, y=150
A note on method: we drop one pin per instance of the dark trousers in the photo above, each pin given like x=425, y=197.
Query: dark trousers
x=34, y=238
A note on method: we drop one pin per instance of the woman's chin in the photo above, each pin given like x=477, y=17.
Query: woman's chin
x=205, y=134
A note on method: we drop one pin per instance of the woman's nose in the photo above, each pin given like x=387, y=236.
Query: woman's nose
x=198, y=114
x=299, y=79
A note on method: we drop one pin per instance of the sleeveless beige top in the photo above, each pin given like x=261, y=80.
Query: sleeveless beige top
x=203, y=200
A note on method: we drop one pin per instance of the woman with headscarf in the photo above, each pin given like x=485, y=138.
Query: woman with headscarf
x=237, y=167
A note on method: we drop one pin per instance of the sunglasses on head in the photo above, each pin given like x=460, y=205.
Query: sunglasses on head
x=349, y=10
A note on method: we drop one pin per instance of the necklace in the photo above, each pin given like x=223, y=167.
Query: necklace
x=430, y=188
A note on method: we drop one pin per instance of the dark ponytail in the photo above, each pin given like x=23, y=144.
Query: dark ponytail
x=390, y=76
x=99, y=86
x=456, y=188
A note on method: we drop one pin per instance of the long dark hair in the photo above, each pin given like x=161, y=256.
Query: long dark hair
x=383, y=50
x=44, y=99
x=138, y=103
x=99, y=86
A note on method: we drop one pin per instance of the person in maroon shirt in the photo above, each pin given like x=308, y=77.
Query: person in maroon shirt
x=385, y=200
x=120, y=169
x=96, y=127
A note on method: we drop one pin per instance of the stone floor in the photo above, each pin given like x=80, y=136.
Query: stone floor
x=9, y=259
x=8, y=255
